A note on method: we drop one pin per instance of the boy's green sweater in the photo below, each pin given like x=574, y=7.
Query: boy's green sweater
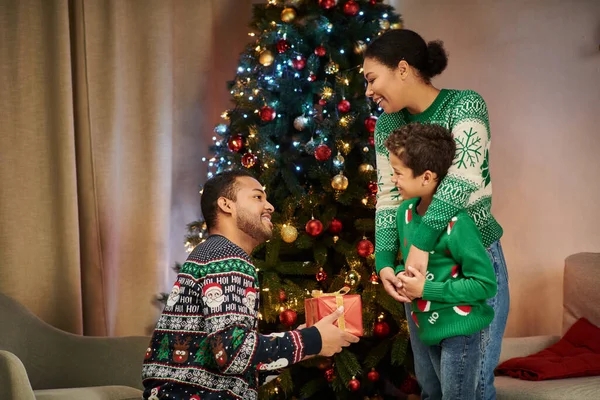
x=460, y=277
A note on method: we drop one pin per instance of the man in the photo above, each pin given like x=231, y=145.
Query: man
x=206, y=342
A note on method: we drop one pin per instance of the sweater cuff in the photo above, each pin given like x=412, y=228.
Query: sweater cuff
x=312, y=340
x=384, y=259
x=433, y=291
x=399, y=268
x=426, y=237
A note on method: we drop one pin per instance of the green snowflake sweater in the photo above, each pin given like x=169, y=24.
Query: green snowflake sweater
x=466, y=187
x=460, y=278
x=205, y=344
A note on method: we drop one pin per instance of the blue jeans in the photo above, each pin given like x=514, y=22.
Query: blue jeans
x=431, y=382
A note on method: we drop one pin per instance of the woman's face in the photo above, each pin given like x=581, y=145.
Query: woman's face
x=384, y=85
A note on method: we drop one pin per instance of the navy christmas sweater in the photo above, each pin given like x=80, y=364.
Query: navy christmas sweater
x=205, y=344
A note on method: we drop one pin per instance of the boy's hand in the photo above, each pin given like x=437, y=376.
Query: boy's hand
x=413, y=286
x=401, y=289
x=391, y=284
x=418, y=259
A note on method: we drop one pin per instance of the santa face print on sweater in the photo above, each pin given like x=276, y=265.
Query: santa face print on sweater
x=174, y=295
x=212, y=295
x=249, y=299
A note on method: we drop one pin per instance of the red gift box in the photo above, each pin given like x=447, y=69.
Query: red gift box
x=323, y=304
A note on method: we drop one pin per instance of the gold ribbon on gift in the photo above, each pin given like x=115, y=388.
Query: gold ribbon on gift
x=339, y=301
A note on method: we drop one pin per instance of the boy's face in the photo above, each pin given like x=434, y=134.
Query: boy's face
x=408, y=185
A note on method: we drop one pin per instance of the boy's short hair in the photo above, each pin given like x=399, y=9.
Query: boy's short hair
x=221, y=185
x=423, y=147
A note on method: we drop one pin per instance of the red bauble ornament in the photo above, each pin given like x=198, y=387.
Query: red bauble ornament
x=235, y=143
x=327, y=4
x=381, y=329
x=372, y=140
x=335, y=226
x=365, y=248
x=249, y=160
x=314, y=227
x=351, y=8
x=288, y=317
x=373, y=188
x=320, y=51
x=410, y=386
x=312, y=77
x=373, y=2
x=373, y=375
x=321, y=275
x=322, y=152
x=370, y=123
x=354, y=384
x=282, y=295
x=374, y=279
x=282, y=45
x=343, y=106
x=329, y=375
x=267, y=114
x=322, y=102
x=299, y=63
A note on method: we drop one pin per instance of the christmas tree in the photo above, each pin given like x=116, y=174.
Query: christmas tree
x=302, y=124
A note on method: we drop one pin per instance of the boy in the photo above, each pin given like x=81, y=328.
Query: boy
x=449, y=310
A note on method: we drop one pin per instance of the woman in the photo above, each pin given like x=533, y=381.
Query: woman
x=398, y=67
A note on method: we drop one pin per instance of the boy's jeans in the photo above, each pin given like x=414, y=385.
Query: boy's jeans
x=491, y=342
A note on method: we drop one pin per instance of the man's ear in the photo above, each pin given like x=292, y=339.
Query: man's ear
x=225, y=205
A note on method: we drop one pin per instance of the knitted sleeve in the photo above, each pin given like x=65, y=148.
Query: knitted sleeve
x=230, y=306
x=388, y=197
x=473, y=277
x=470, y=129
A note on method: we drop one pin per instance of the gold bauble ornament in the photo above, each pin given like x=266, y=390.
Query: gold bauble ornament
x=396, y=25
x=366, y=167
x=288, y=14
x=266, y=58
x=384, y=24
x=359, y=47
x=352, y=278
x=339, y=182
x=289, y=233
x=331, y=68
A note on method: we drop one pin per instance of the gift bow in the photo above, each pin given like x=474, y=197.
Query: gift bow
x=339, y=301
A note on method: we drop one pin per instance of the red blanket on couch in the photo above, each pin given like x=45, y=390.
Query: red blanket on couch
x=575, y=354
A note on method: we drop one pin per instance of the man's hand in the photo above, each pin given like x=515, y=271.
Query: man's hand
x=413, y=285
x=332, y=337
x=392, y=285
x=418, y=259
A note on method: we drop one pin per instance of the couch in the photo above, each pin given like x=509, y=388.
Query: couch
x=581, y=299
x=38, y=361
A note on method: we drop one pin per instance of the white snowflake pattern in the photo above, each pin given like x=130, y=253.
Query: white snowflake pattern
x=180, y=374
x=192, y=324
x=468, y=149
x=176, y=323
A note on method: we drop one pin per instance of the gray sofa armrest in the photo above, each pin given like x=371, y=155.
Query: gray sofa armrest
x=15, y=383
x=524, y=346
x=84, y=361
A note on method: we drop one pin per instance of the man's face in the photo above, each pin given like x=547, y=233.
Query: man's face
x=253, y=211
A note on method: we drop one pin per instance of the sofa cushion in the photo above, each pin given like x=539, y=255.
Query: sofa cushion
x=90, y=393
x=581, y=294
x=587, y=388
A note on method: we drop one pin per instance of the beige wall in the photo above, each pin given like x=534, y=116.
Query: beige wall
x=537, y=64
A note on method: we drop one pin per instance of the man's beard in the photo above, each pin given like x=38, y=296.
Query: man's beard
x=256, y=230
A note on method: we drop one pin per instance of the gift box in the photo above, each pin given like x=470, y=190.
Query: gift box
x=323, y=304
